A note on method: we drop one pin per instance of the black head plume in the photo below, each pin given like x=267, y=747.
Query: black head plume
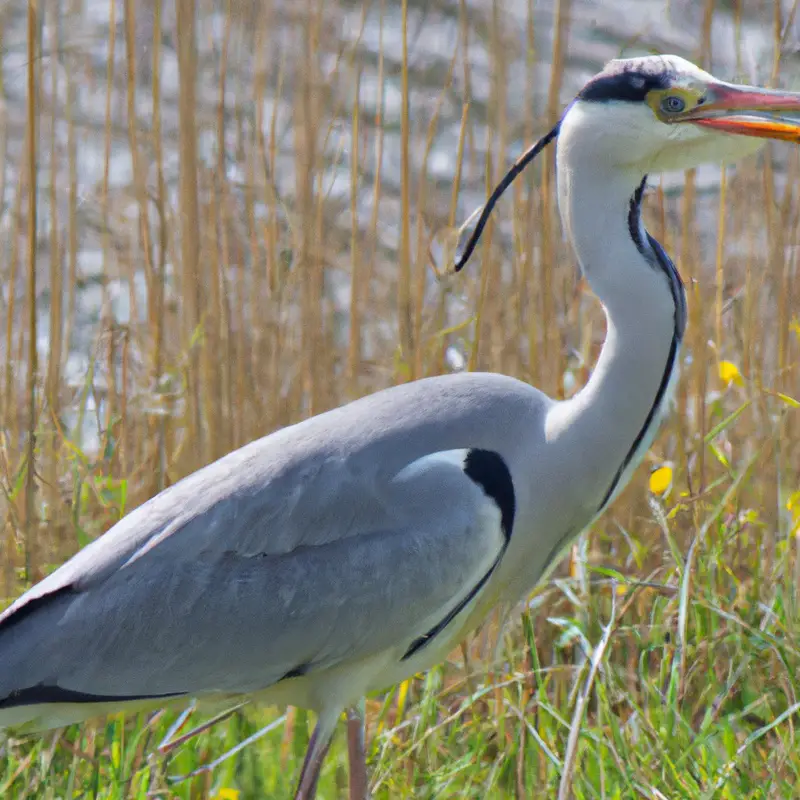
x=506, y=181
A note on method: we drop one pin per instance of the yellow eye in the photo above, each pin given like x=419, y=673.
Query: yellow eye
x=669, y=103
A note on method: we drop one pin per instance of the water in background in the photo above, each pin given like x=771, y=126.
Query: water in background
x=76, y=35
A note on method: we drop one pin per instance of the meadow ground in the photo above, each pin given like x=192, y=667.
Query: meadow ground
x=226, y=242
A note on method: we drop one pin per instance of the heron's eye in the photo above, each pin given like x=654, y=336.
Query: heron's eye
x=673, y=104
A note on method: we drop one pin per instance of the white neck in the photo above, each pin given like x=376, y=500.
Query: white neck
x=606, y=418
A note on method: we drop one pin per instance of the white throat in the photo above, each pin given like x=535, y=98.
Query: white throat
x=614, y=418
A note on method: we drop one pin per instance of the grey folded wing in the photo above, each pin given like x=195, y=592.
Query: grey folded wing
x=363, y=562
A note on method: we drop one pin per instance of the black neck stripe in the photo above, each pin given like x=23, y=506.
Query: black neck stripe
x=654, y=253
x=635, y=217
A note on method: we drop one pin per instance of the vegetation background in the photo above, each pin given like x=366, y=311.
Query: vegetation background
x=218, y=217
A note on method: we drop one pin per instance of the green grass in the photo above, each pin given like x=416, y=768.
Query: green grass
x=694, y=696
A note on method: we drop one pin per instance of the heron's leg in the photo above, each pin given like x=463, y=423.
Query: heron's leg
x=315, y=754
x=356, y=752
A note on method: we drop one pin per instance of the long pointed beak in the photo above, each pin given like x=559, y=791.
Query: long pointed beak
x=748, y=111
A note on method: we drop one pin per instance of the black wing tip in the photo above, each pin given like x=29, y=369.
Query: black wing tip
x=42, y=694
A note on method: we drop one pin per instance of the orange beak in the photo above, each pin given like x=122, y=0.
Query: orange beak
x=748, y=111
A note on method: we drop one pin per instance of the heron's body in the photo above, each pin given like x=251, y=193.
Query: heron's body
x=345, y=553
x=410, y=532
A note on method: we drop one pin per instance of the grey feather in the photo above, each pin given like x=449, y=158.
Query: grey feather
x=276, y=556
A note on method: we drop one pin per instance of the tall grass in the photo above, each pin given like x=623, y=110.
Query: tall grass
x=249, y=253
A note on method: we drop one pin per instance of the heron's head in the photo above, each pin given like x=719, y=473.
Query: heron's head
x=648, y=115
x=660, y=113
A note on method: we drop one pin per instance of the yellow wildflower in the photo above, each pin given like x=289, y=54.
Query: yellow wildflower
x=661, y=479
x=729, y=373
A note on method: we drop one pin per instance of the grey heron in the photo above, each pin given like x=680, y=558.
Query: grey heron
x=345, y=553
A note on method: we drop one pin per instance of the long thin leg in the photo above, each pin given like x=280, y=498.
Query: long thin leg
x=356, y=752
x=317, y=750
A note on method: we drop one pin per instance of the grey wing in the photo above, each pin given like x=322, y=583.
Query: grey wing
x=408, y=550
x=309, y=484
